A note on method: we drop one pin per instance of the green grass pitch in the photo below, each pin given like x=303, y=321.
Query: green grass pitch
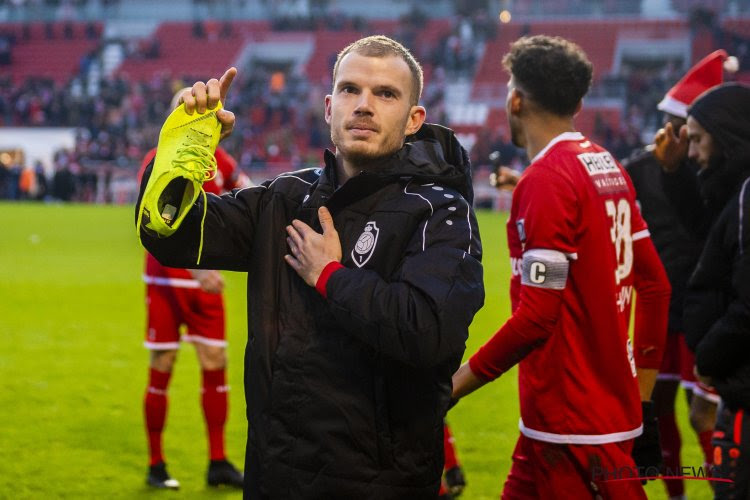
x=73, y=369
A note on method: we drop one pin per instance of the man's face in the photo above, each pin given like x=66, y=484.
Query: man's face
x=369, y=111
x=512, y=110
x=701, y=147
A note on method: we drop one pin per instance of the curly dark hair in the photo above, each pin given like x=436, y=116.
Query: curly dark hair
x=553, y=71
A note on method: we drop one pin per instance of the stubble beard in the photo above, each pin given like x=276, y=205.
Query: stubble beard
x=516, y=136
x=365, y=158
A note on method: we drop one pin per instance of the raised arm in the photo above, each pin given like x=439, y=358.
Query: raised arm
x=176, y=221
x=227, y=231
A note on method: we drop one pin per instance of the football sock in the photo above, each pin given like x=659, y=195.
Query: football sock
x=670, y=450
x=708, y=450
x=214, y=400
x=450, y=451
x=443, y=490
x=155, y=410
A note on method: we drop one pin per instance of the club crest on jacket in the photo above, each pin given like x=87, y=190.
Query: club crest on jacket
x=365, y=245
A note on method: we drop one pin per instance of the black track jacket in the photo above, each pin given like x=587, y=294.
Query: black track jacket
x=717, y=305
x=346, y=395
x=717, y=308
x=677, y=244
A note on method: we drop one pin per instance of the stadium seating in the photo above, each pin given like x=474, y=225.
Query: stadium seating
x=42, y=50
x=469, y=99
x=206, y=56
x=327, y=45
x=598, y=38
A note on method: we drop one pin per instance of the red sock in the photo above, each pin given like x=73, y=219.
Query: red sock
x=708, y=450
x=670, y=451
x=451, y=460
x=214, y=400
x=155, y=410
x=443, y=490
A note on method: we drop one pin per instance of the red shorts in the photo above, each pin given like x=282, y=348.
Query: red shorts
x=169, y=308
x=678, y=364
x=543, y=470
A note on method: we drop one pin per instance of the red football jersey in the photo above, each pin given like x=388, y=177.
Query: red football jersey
x=227, y=178
x=571, y=230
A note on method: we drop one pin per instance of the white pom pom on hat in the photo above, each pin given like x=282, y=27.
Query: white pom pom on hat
x=731, y=64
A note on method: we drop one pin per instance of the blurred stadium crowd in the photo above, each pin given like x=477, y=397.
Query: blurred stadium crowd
x=117, y=110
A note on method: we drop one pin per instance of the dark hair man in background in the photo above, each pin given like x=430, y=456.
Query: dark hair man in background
x=717, y=303
x=656, y=171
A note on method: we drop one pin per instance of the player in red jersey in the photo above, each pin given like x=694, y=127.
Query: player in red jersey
x=176, y=297
x=578, y=248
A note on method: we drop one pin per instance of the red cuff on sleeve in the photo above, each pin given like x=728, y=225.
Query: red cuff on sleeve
x=330, y=268
x=480, y=369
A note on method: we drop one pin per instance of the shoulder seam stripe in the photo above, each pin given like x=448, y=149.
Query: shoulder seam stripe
x=432, y=211
x=248, y=187
x=272, y=182
x=289, y=176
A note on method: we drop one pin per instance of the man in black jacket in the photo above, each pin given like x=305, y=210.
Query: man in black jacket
x=363, y=278
x=662, y=173
x=717, y=304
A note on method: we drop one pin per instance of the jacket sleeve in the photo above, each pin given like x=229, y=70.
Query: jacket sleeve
x=705, y=299
x=717, y=310
x=421, y=315
x=227, y=231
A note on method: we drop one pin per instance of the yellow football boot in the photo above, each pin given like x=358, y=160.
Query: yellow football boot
x=184, y=161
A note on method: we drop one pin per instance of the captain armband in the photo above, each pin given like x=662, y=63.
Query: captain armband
x=544, y=268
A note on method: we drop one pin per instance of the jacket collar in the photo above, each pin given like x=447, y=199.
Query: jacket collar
x=433, y=154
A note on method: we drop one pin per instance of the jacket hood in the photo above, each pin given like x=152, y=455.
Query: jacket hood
x=432, y=154
x=724, y=112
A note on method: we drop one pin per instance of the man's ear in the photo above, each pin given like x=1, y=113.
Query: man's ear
x=328, y=109
x=417, y=115
x=516, y=101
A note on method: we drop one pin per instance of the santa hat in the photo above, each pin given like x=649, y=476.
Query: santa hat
x=707, y=73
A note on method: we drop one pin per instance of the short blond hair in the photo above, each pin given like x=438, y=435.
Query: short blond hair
x=382, y=46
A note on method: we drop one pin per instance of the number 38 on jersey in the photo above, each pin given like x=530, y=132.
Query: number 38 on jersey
x=622, y=239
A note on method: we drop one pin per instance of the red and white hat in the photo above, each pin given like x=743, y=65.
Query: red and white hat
x=707, y=73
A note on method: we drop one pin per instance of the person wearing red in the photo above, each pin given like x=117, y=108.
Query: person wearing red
x=193, y=298
x=578, y=247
